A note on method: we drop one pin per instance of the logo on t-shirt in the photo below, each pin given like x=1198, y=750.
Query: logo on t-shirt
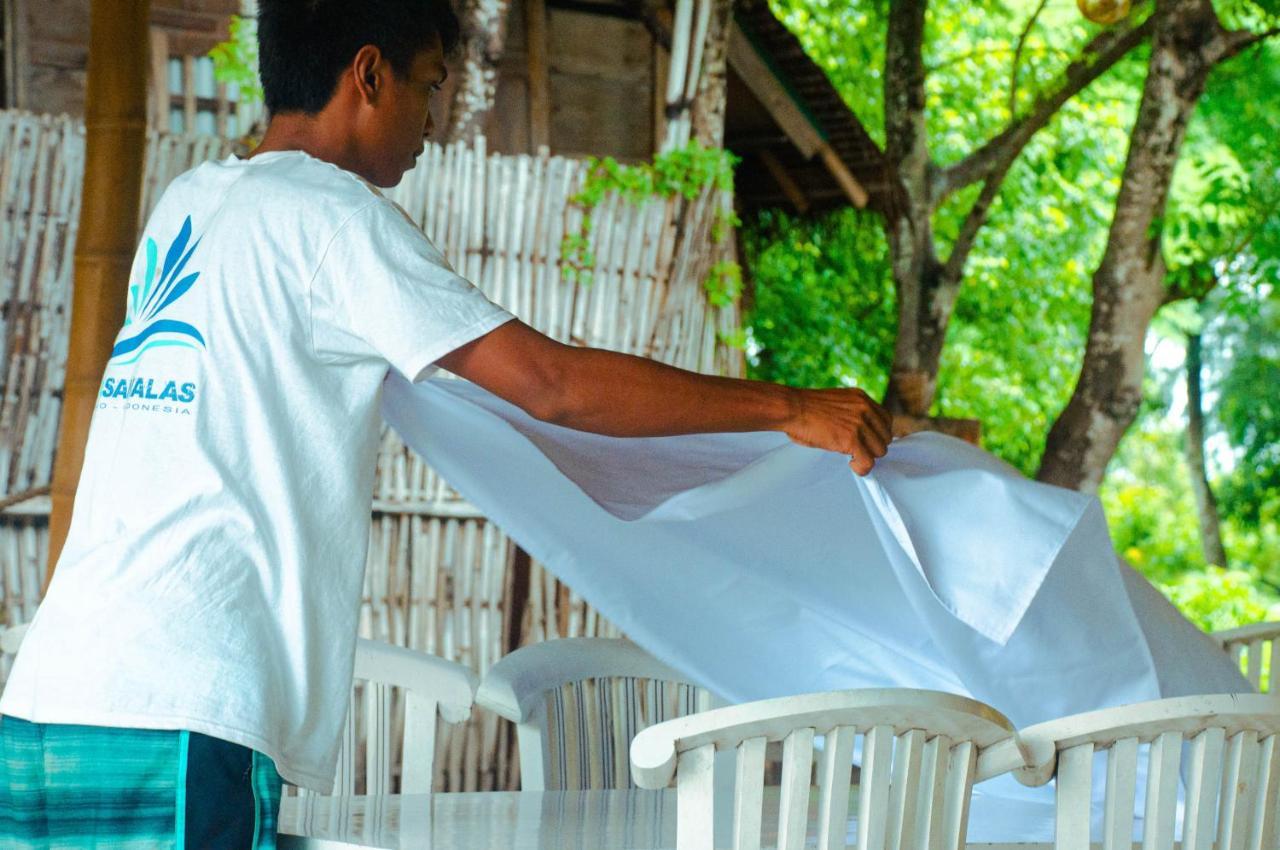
x=160, y=289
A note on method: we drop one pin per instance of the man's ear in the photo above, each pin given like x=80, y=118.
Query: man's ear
x=369, y=70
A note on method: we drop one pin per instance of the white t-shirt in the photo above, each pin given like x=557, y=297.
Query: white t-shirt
x=212, y=577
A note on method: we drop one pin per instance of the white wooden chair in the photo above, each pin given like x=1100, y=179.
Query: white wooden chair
x=578, y=702
x=918, y=760
x=1222, y=747
x=1249, y=645
x=395, y=699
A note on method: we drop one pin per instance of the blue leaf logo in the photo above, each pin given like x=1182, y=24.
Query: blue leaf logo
x=159, y=289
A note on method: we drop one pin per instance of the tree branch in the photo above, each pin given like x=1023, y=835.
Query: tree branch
x=1104, y=51
x=1017, y=56
x=973, y=221
x=1237, y=41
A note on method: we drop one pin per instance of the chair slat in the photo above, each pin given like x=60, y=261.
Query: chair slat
x=377, y=756
x=904, y=789
x=793, y=803
x=1075, y=795
x=1204, y=767
x=1122, y=786
x=419, y=738
x=695, y=795
x=1254, y=673
x=1274, y=667
x=955, y=810
x=835, y=776
x=595, y=765
x=748, y=799
x=873, y=787
x=1161, y=810
x=1239, y=788
x=1262, y=829
x=930, y=834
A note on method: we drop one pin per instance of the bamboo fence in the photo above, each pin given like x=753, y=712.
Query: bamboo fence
x=439, y=576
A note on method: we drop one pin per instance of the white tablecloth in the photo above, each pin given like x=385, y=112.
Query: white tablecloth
x=762, y=568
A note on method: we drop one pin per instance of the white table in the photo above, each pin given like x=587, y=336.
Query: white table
x=506, y=820
x=568, y=820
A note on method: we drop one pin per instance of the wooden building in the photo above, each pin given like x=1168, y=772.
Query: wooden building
x=44, y=48
x=542, y=84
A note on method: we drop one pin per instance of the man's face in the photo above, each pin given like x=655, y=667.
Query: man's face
x=398, y=127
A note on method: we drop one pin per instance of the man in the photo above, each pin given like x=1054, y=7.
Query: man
x=196, y=642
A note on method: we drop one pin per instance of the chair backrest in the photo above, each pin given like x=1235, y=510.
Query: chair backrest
x=1222, y=748
x=578, y=702
x=918, y=757
x=390, y=729
x=1256, y=649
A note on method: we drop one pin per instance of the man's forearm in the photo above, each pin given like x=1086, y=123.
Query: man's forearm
x=626, y=396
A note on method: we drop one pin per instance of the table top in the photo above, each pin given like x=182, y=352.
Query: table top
x=581, y=820
x=501, y=820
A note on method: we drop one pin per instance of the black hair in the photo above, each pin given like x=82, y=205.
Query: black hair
x=304, y=45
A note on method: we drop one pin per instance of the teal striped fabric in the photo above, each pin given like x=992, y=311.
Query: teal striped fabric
x=64, y=786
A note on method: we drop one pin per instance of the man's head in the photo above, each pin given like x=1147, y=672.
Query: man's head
x=368, y=67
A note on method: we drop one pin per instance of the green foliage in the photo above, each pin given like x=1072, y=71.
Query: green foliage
x=723, y=284
x=824, y=310
x=235, y=61
x=1249, y=411
x=1218, y=599
x=1149, y=505
x=683, y=172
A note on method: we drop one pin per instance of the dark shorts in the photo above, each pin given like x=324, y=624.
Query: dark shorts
x=132, y=789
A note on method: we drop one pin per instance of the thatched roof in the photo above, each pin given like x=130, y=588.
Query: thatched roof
x=755, y=133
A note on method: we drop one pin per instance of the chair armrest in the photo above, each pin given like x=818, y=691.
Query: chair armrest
x=1244, y=634
x=451, y=685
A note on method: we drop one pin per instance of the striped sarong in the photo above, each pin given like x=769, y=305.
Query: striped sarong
x=64, y=786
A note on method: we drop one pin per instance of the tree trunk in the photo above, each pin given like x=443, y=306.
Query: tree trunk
x=115, y=144
x=916, y=270
x=1206, y=504
x=1128, y=286
x=484, y=35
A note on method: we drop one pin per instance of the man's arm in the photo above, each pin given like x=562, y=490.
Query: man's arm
x=626, y=396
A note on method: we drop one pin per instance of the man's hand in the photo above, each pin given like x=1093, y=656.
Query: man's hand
x=605, y=392
x=846, y=421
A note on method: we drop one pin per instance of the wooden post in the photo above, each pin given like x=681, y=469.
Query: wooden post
x=709, y=92
x=115, y=142
x=535, y=30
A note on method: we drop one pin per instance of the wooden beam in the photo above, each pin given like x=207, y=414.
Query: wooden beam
x=784, y=180
x=9, y=69
x=782, y=107
x=535, y=28
x=115, y=143
x=848, y=183
x=760, y=79
x=188, y=95
x=661, y=63
x=159, y=43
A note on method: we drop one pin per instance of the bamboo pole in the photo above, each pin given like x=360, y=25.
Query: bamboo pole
x=115, y=139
